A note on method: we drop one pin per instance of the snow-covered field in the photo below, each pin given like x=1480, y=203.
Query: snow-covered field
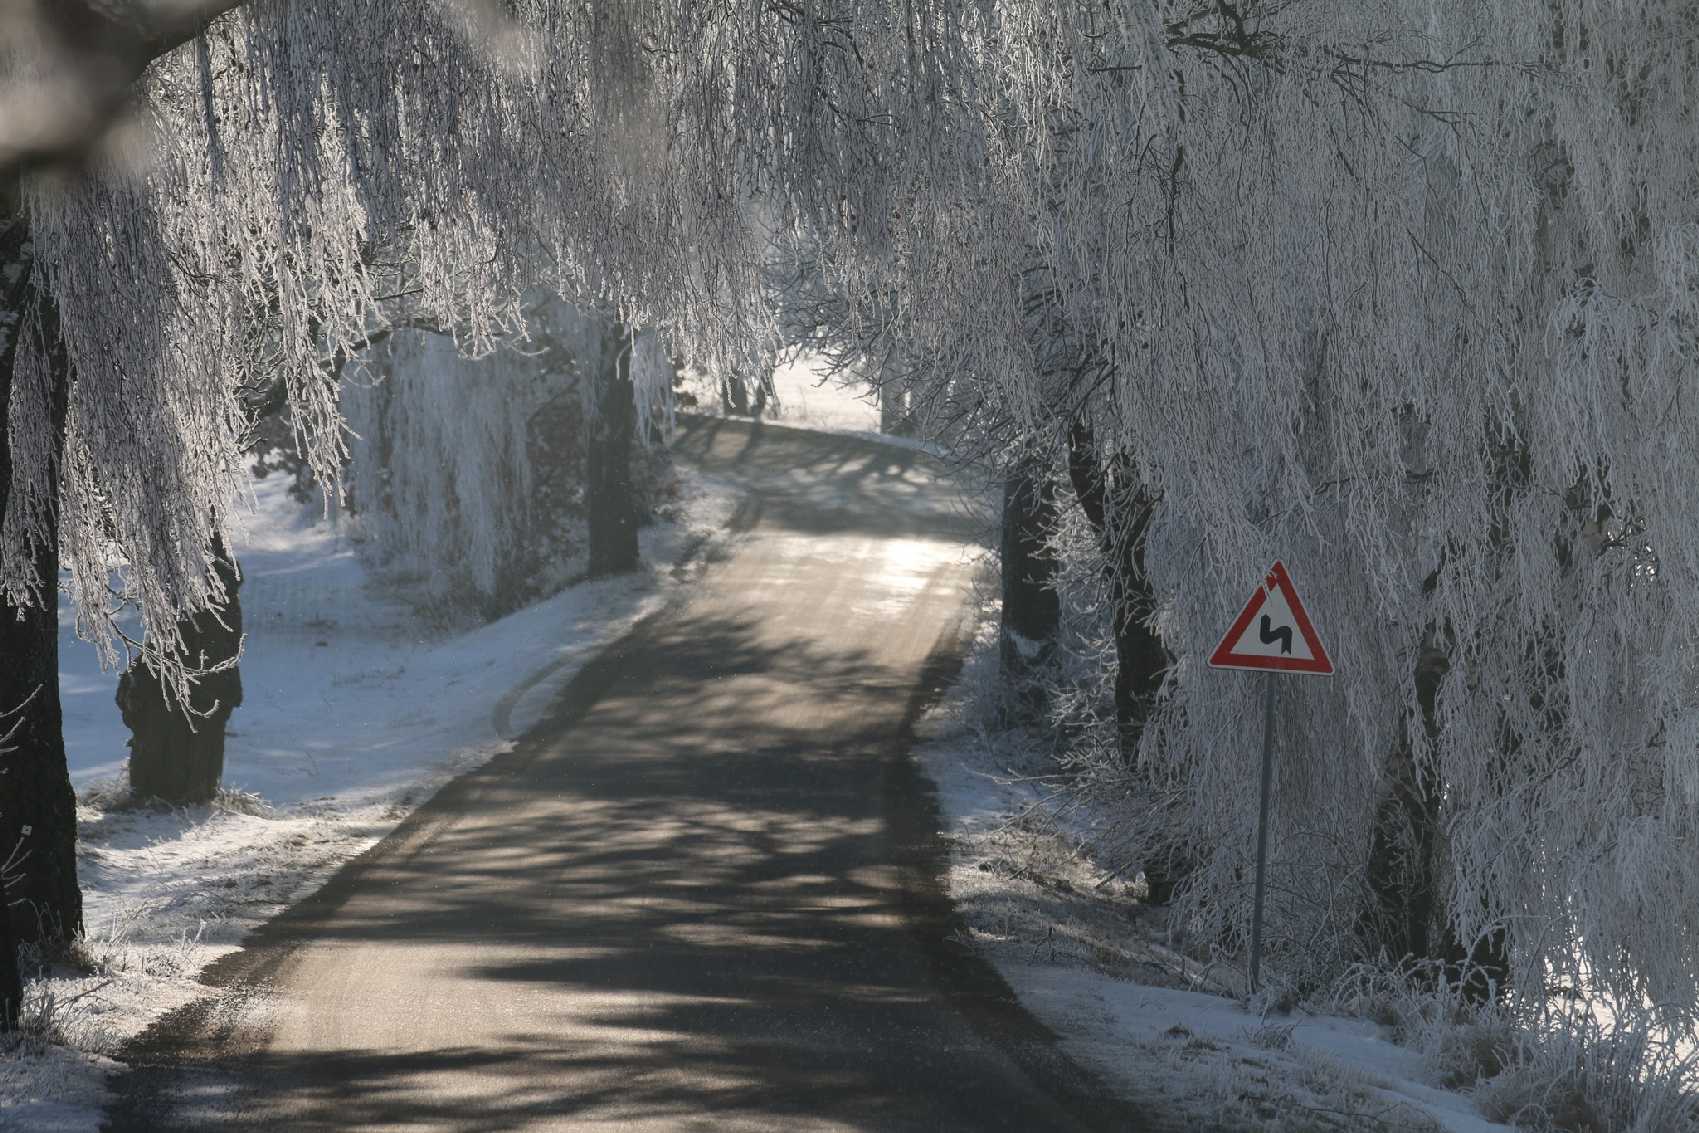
x=810, y=399
x=355, y=710
x=1091, y=962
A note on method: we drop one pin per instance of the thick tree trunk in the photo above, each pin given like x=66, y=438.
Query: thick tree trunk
x=1408, y=919
x=1140, y=662
x=736, y=392
x=38, y=808
x=14, y=237
x=177, y=755
x=893, y=405
x=734, y=395
x=608, y=482
x=1402, y=868
x=1481, y=968
x=11, y=979
x=1031, y=607
x=1120, y=512
x=1120, y=518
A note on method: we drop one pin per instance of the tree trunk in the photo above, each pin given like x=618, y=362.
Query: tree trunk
x=38, y=808
x=177, y=755
x=1482, y=969
x=1402, y=867
x=1408, y=918
x=1120, y=517
x=11, y=979
x=1031, y=607
x=1140, y=662
x=893, y=405
x=14, y=235
x=734, y=395
x=1119, y=511
x=608, y=483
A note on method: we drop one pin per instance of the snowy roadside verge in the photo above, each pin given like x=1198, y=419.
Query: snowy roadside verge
x=1090, y=961
x=355, y=711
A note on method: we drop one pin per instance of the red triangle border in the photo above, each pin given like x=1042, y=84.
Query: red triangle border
x=1319, y=663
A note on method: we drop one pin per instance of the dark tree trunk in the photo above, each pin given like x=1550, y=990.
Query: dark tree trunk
x=177, y=754
x=1408, y=919
x=608, y=483
x=1119, y=510
x=1119, y=517
x=1140, y=662
x=1402, y=868
x=734, y=395
x=1031, y=607
x=893, y=405
x=14, y=236
x=1481, y=968
x=11, y=979
x=38, y=808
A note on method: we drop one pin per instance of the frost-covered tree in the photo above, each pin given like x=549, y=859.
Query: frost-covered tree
x=442, y=484
x=278, y=189
x=1402, y=294
x=471, y=472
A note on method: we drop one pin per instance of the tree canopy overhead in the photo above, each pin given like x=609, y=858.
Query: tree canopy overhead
x=302, y=175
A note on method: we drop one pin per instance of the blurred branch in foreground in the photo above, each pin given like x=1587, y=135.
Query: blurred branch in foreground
x=67, y=65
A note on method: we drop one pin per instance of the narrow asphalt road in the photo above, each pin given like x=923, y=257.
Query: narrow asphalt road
x=702, y=894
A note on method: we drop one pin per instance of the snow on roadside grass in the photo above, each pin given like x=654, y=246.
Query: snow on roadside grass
x=354, y=712
x=1091, y=962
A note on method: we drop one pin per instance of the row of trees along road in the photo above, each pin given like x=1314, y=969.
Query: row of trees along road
x=1401, y=293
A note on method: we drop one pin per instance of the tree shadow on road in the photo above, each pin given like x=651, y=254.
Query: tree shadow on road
x=669, y=907
x=832, y=482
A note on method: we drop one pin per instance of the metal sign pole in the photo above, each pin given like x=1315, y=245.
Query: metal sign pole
x=1272, y=634
x=1262, y=825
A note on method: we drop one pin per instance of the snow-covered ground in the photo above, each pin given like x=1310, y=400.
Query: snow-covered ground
x=811, y=399
x=1090, y=961
x=355, y=710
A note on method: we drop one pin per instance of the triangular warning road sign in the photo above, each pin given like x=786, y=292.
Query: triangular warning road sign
x=1273, y=631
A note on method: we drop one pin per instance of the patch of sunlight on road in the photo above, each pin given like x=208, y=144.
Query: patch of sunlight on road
x=906, y=567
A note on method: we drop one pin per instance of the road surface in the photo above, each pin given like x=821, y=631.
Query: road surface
x=701, y=895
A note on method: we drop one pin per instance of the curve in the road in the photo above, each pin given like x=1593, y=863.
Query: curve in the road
x=702, y=894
